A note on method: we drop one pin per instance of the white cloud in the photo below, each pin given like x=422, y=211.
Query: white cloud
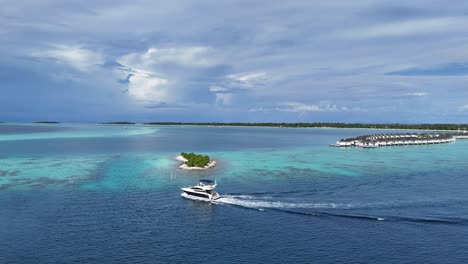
x=297, y=107
x=217, y=89
x=248, y=79
x=260, y=109
x=150, y=77
x=187, y=56
x=417, y=94
x=147, y=88
x=409, y=28
x=75, y=56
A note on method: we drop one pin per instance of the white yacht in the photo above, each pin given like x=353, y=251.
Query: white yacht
x=203, y=190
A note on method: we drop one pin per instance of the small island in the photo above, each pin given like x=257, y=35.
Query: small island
x=192, y=161
x=118, y=123
x=47, y=122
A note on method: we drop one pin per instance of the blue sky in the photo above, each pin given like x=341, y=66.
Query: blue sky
x=248, y=61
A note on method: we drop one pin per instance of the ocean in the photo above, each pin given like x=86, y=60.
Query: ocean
x=88, y=193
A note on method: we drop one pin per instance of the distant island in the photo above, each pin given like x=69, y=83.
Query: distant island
x=117, y=123
x=192, y=161
x=47, y=122
x=327, y=125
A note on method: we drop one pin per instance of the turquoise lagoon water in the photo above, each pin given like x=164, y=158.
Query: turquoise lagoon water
x=110, y=194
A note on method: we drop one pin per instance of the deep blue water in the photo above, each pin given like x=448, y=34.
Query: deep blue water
x=110, y=194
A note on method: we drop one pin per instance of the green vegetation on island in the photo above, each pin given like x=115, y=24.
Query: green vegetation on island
x=329, y=125
x=118, y=123
x=196, y=160
x=47, y=122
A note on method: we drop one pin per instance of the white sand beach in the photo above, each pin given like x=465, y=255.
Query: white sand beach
x=181, y=158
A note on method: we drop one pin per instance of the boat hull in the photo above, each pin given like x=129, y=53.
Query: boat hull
x=195, y=198
x=200, y=195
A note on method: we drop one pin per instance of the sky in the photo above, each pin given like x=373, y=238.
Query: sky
x=234, y=61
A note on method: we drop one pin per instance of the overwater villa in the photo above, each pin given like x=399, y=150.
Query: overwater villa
x=384, y=140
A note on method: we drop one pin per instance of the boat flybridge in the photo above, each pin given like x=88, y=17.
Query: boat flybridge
x=204, y=190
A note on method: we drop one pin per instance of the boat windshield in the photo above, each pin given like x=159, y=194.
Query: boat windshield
x=206, y=182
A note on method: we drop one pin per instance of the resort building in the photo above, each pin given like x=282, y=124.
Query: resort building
x=383, y=140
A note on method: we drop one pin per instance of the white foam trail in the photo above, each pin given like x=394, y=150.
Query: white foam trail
x=241, y=196
x=250, y=202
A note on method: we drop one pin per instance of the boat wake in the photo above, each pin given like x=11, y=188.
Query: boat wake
x=256, y=203
x=326, y=209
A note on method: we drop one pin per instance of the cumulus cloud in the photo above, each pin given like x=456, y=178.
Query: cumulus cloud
x=149, y=73
x=147, y=88
x=185, y=56
x=75, y=56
